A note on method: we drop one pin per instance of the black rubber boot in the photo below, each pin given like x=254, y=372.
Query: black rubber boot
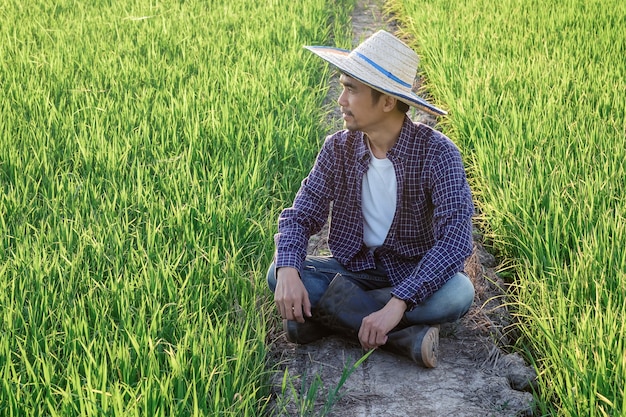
x=343, y=307
x=420, y=343
x=303, y=333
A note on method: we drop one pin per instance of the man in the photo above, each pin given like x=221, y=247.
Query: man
x=400, y=227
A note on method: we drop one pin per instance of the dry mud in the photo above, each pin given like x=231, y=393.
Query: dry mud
x=476, y=376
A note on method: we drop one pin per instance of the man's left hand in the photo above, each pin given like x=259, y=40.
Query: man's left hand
x=376, y=326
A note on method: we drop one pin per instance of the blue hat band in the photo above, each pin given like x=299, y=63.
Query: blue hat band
x=382, y=70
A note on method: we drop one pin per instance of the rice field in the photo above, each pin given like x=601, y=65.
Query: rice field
x=146, y=149
x=537, y=97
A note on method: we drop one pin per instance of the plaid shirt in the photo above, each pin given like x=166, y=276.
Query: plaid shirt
x=431, y=233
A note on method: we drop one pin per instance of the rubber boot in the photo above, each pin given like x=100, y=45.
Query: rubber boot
x=343, y=307
x=303, y=333
x=420, y=343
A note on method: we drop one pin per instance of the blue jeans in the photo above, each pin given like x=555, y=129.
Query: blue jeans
x=448, y=304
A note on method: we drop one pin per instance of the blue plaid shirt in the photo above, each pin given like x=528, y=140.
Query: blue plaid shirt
x=431, y=233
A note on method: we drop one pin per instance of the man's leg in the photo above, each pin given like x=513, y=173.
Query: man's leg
x=345, y=304
x=417, y=337
x=448, y=304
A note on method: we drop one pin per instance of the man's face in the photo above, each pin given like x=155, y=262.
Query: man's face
x=358, y=108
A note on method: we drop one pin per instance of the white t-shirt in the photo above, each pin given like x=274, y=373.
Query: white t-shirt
x=378, y=201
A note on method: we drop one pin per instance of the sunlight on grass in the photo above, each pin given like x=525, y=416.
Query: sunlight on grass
x=535, y=92
x=147, y=148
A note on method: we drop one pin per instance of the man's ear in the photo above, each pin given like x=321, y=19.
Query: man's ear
x=389, y=103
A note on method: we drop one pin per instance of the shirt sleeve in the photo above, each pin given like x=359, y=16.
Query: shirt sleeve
x=452, y=226
x=308, y=213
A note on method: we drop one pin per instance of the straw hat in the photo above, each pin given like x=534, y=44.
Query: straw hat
x=384, y=63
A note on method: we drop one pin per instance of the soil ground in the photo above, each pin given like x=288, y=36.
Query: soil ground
x=475, y=377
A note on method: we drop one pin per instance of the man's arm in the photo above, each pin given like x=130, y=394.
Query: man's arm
x=308, y=213
x=295, y=225
x=452, y=227
x=452, y=217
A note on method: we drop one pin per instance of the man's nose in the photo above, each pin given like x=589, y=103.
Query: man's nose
x=341, y=100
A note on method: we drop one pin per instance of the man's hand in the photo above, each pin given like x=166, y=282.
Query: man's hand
x=376, y=326
x=291, y=297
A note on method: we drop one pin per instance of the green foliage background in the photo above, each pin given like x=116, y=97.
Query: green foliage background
x=146, y=148
x=536, y=93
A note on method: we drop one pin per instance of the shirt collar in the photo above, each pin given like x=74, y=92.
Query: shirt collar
x=404, y=144
x=401, y=148
x=362, y=150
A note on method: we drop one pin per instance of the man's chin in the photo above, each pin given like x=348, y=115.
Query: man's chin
x=349, y=127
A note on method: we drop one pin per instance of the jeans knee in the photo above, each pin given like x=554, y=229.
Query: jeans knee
x=465, y=293
x=450, y=303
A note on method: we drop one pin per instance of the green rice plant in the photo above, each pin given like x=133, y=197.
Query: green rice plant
x=306, y=399
x=535, y=92
x=146, y=149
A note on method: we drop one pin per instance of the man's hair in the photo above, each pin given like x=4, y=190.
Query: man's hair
x=400, y=105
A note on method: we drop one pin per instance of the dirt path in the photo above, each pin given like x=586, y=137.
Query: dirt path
x=475, y=376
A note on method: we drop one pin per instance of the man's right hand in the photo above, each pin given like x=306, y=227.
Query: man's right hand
x=290, y=296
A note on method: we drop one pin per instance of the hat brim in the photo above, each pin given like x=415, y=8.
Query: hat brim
x=378, y=80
